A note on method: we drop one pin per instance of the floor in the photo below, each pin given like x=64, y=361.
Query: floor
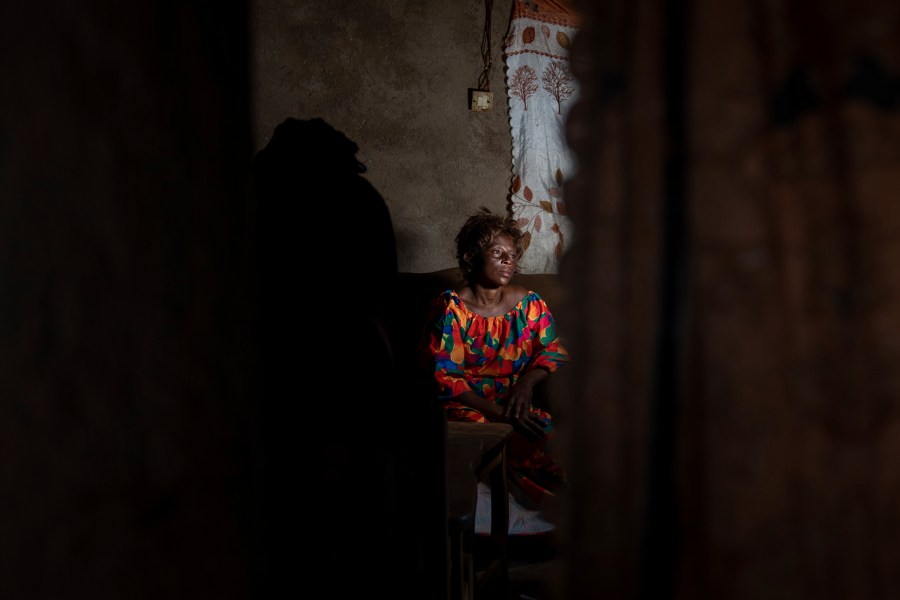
x=533, y=567
x=533, y=581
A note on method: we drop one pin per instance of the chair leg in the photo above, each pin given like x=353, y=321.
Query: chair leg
x=462, y=565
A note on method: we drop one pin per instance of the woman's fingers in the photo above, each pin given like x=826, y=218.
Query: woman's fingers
x=528, y=422
x=513, y=410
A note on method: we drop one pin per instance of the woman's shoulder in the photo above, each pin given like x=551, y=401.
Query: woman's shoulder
x=527, y=300
x=528, y=296
x=445, y=299
x=534, y=304
x=516, y=290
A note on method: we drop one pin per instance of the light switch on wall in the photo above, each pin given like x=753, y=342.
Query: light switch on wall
x=482, y=100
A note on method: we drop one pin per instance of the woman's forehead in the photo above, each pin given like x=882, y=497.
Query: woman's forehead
x=502, y=239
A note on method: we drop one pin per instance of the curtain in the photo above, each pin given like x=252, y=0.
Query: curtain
x=541, y=89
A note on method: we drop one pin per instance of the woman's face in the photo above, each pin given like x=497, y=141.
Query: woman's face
x=498, y=260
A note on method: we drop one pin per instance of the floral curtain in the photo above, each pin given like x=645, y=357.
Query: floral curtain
x=541, y=89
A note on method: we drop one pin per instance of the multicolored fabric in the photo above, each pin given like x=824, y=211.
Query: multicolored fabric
x=487, y=355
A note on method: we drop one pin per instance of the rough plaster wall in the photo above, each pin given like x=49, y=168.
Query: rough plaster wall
x=393, y=76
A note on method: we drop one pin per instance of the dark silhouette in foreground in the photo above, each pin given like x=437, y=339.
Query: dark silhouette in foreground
x=339, y=459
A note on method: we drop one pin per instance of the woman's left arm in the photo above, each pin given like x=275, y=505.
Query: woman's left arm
x=548, y=351
x=548, y=354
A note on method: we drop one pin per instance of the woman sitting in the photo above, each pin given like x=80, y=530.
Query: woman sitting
x=489, y=344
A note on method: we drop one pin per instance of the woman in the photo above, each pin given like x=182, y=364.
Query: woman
x=489, y=344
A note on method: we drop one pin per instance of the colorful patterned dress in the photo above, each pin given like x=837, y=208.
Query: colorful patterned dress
x=486, y=355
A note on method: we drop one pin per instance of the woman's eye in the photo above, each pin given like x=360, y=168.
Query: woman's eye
x=501, y=253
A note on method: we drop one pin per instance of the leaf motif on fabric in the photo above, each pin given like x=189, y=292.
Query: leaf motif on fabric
x=554, y=192
x=528, y=35
x=517, y=183
x=555, y=227
x=527, y=193
x=546, y=206
x=526, y=240
x=537, y=223
x=545, y=30
x=510, y=40
x=522, y=222
x=561, y=207
x=558, y=251
x=563, y=40
x=559, y=176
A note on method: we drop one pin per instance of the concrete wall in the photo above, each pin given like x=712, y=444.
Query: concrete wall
x=393, y=76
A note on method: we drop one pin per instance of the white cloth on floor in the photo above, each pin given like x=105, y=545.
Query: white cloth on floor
x=521, y=520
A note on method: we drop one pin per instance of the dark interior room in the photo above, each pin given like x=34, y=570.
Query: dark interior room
x=220, y=224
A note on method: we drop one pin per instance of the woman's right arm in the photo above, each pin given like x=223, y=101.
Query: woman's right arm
x=526, y=422
x=491, y=411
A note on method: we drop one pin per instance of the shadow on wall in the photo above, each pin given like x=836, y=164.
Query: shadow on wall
x=330, y=218
x=332, y=445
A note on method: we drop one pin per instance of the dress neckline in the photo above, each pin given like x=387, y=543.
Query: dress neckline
x=515, y=309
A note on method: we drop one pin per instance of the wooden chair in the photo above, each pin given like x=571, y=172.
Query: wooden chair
x=477, y=452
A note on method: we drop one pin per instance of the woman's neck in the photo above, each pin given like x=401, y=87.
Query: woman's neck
x=488, y=301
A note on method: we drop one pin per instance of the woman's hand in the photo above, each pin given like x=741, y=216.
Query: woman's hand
x=516, y=409
x=517, y=406
x=530, y=425
x=518, y=401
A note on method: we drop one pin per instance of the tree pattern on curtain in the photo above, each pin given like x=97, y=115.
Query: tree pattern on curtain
x=541, y=88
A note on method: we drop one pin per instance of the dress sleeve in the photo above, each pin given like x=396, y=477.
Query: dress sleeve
x=443, y=351
x=550, y=353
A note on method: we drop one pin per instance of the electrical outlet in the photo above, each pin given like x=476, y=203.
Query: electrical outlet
x=481, y=100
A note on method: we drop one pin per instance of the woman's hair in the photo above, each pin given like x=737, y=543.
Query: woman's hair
x=477, y=232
